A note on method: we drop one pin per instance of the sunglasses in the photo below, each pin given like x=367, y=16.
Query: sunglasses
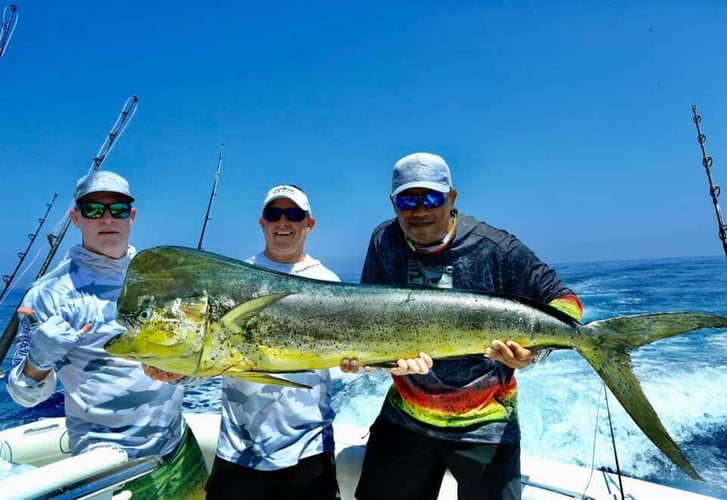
x=293, y=214
x=95, y=210
x=432, y=199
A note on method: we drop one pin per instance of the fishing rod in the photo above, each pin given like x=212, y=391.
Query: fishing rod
x=212, y=196
x=8, y=278
x=613, y=444
x=127, y=113
x=10, y=21
x=714, y=189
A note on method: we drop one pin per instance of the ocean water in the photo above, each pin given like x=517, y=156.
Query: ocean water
x=562, y=408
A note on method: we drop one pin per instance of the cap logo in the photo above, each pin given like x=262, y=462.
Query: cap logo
x=282, y=190
x=420, y=170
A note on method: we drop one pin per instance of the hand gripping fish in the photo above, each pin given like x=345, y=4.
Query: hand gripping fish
x=200, y=314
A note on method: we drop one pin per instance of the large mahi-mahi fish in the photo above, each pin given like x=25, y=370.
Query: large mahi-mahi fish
x=200, y=314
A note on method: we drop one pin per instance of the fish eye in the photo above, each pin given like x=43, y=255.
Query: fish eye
x=146, y=304
x=145, y=314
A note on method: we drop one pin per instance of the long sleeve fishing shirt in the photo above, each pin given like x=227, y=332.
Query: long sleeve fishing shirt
x=107, y=399
x=472, y=399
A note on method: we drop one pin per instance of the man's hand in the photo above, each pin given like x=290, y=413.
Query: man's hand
x=419, y=366
x=51, y=340
x=161, y=375
x=510, y=354
x=350, y=365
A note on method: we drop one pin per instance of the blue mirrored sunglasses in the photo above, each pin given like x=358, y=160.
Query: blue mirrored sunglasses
x=432, y=199
x=95, y=210
x=293, y=214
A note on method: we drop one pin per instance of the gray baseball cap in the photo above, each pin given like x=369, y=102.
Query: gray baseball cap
x=102, y=180
x=421, y=170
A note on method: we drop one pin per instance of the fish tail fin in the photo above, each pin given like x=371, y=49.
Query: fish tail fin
x=643, y=329
x=617, y=373
x=609, y=356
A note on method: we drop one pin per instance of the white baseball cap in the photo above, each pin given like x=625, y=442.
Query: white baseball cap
x=290, y=192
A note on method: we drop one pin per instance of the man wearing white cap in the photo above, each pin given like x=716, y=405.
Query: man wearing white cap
x=277, y=442
x=67, y=318
x=457, y=414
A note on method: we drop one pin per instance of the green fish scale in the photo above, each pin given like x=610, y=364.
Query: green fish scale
x=379, y=327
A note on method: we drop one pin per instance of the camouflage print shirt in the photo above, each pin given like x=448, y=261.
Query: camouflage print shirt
x=269, y=427
x=107, y=399
x=470, y=399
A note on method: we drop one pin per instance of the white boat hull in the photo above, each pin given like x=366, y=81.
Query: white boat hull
x=44, y=444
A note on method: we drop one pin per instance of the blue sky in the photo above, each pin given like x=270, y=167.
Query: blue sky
x=567, y=123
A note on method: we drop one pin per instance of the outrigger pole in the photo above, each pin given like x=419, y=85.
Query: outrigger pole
x=714, y=189
x=8, y=278
x=127, y=112
x=10, y=21
x=212, y=196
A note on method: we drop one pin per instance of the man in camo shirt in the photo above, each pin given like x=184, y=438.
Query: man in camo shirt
x=277, y=442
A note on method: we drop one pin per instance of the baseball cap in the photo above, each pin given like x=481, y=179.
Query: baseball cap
x=102, y=180
x=292, y=193
x=421, y=170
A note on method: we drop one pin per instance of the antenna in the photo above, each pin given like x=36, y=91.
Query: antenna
x=212, y=196
x=714, y=189
x=10, y=21
x=8, y=279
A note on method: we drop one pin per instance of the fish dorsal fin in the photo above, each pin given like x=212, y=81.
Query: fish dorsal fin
x=237, y=317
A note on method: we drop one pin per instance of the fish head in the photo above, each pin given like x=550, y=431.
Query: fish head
x=166, y=333
x=186, y=311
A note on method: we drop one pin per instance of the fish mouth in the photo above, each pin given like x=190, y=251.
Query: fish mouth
x=131, y=327
x=128, y=323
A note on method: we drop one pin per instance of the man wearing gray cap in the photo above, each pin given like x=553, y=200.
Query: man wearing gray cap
x=457, y=414
x=67, y=316
x=276, y=442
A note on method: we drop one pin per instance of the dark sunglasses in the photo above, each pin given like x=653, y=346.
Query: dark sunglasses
x=95, y=210
x=432, y=199
x=293, y=214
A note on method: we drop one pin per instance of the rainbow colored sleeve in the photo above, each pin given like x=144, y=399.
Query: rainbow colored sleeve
x=569, y=304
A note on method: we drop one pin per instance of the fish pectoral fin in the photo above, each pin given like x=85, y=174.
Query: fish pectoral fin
x=266, y=378
x=236, y=318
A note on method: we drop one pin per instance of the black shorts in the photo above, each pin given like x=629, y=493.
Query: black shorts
x=404, y=465
x=312, y=477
